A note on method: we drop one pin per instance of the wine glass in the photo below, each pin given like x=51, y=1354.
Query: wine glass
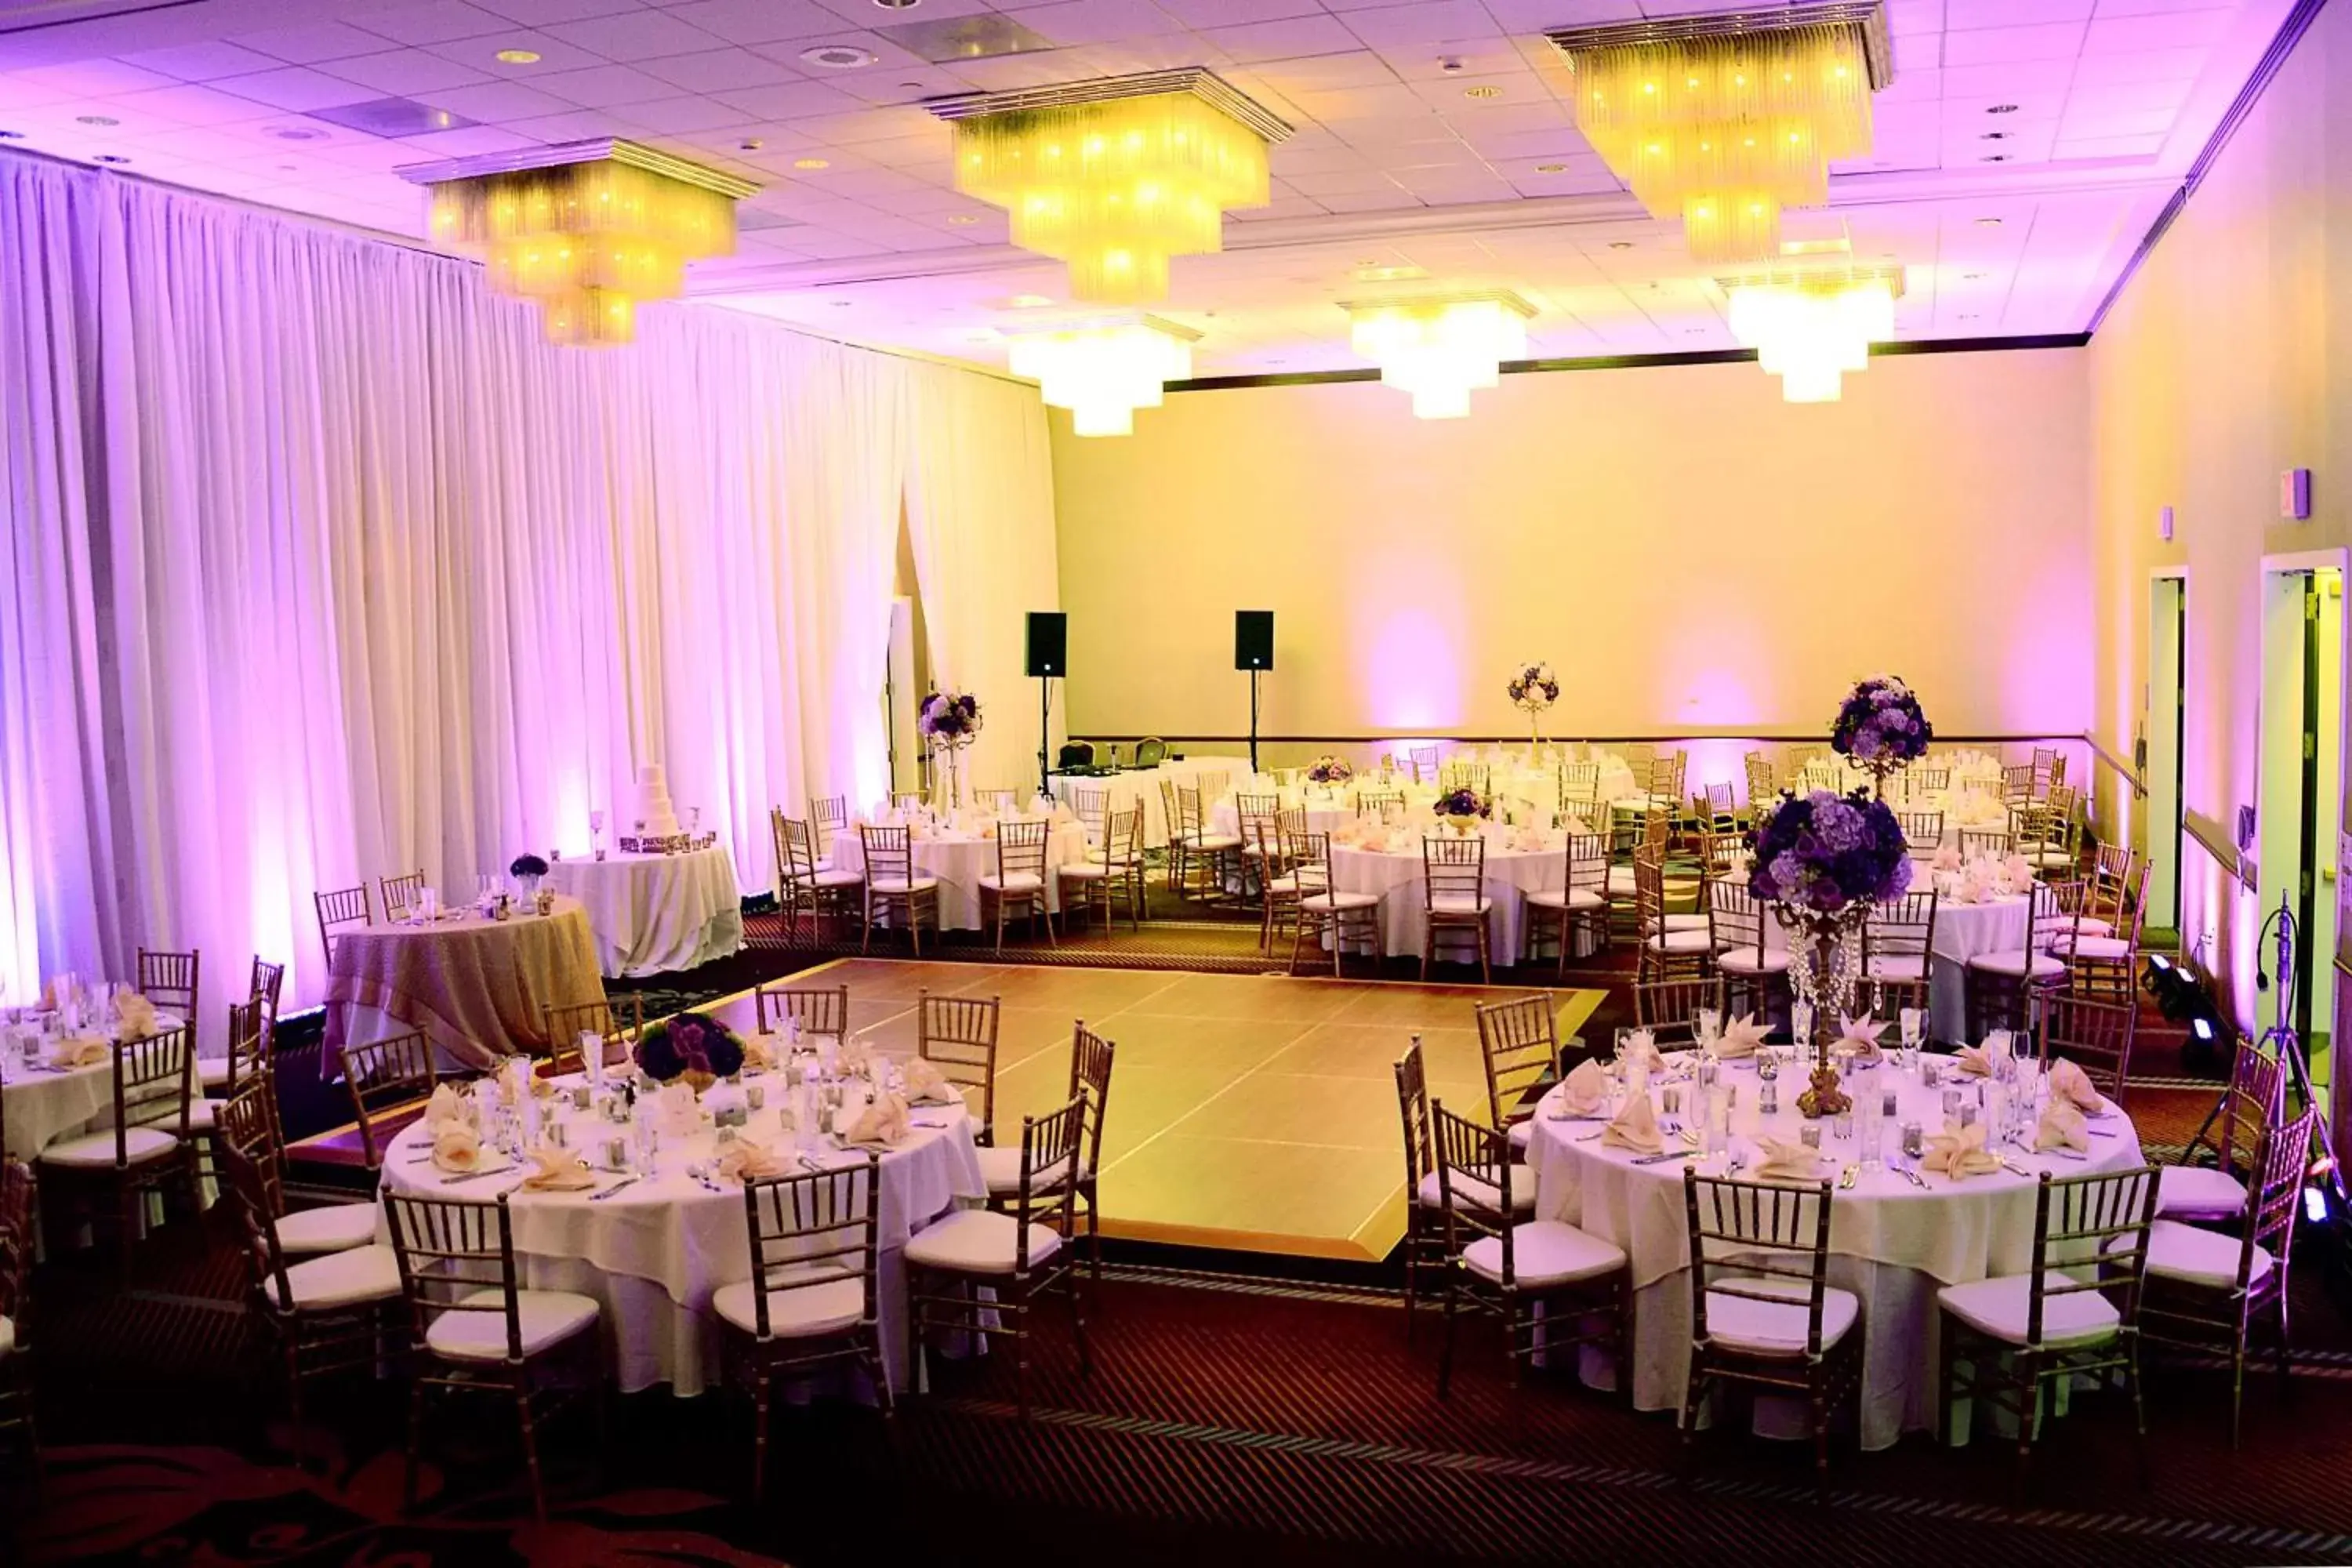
x=595, y=827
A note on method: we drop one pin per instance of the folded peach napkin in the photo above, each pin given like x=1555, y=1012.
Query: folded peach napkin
x=557, y=1170
x=1641, y=1050
x=1959, y=1153
x=1585, y=1089
x=134, y=1017
x=79, y=1051
x=457, y=1147
x=927, y=1085
x=1947, y=859
x=676, y=1111
x=1636, y=1128
x=882, y=1122
x=1860, y=1036
x=745, y=1162
x=1786, y=1159
x=1743, y=1037
x=2020, y=872
x=757, y=1058
x=2069, y=1082
x=1976, y=1061
x=448, y=1104
x=2061, y=1127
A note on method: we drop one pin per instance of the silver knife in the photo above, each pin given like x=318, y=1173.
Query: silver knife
x=608, y=1192
x=473, y=1175
x=1846, y=1181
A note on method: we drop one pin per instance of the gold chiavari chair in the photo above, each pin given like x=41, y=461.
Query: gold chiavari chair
x=2192, y=1189
x=905, y=802
x=1112, y=871
x=105, y=1176
x=1581, y=783
x=1721, y=856
x=267, y=978
x=1552, y=1285
x=2094, y=1036
x=895, y=890
x=1090, y=1065
x=338, y=909
x=1425, y=764
x=1928, y=780
x=1670, y=1009
x=1668, y=951
x=1578, y=911
x=1453, y=896
x=811, y=1303
x=616, y=1021
x=1255, y=824
x=1763, y=1312
x=1019, y=881
x=169, y=980
x=2005, y=1337
x=1754, y=972
x=958, y=1036
x=1207, y=854
x=248, y=1060
x=1997, y=983
x=2044, y=833
x=2108, y=890
x=1519, y=1045
x=389, y=1082
x=1024, y=1253
x=1633, y=838
x=1992, y=842
x=2107, y=964
x=1173, y=814
x=18, y=1204
x=2017, y=784
x=1716, y=813
x=1091, y=806
x=2205, y=1290
x=828, y=815
x=1425, y=1215
x=1277, y=886
x=1898, y=939
x=247, y=1123
x=818, y=1009
x=813, y=884
x=1374, y=802
x=1667, y=772
x=400, y=894
x=1761, y=785
x=1923, y=832
x=2049, y=770
x=474, y=1329
x=1324, y=906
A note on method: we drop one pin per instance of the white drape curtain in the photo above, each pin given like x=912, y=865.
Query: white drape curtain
x=321, y=566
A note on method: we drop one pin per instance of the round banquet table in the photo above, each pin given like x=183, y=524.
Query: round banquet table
x=652, y=914
x=655, y=1254
x=1962, y=931
x=477, y=988
x=43, y=1104
x=960, y=859
x=1396, y=876
x=1893, y=1245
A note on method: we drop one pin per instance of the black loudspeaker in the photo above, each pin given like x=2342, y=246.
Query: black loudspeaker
x=1252, y=639
x=1049, y=642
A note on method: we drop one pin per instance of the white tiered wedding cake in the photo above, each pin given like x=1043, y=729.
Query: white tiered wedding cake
x=653, y=816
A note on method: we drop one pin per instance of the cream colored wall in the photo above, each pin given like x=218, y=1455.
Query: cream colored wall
x=2217, y=369
x=1691, y=552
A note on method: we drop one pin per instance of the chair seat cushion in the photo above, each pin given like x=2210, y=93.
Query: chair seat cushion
x=1460, y=903
x=1340, y=901
x=1621, y=881
x=1896, y=966
x=828, y=877
x=7, y=1336
x=1469, y=1189
x=345, y=1278
x=999, y=1167
x=1747, y=961
x=1282, y=885
x=544, y=1319
x=330, y=1228
x=2086, y=925
x=2199, y=1191
x=1522, y=1134
x=2195, y=1256
x=2106, y=948
x=1567, y=899
x=93, y=1150
x=1018, y=883
x=1544, y=1253
x=1212, y=842
x=2013, y=963
x=1094, y=871
x=2050, y=859
x=1997, y=1307
x=829, y=1303
x=203, y=1115
x=1775, y=1327
x=212, y=1071
x=901, y=884
x=979, y=1241
x=1686, y=922
x=1682, y=942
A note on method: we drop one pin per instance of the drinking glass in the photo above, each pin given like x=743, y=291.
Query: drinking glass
x=1710, y=1026
x=1914, y=1031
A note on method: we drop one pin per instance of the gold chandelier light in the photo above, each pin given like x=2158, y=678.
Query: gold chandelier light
x=587, y=229
x=1103, y=370
x=1810, y=327
x=1113, y=177
x=1439, y=348
x=1725, y=120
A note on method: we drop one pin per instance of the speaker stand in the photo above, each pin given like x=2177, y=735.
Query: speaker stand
x=1255, y=672
x=1045, y=735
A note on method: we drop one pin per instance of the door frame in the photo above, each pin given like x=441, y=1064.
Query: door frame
x=2318, y=968
x=2177, y=574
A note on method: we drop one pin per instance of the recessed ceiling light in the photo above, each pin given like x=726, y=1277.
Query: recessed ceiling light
x=1449, y=63
x=295, y=133
x=1552, y=168
x=517, y=56
x=1988, y=223
x=898, y=5
x=95, y=120
x=838, y=56
x=812, y=162
x=750, y=144
x=2002, y=109
x=1992, y=136
x=1971, y=277
x=1621, y=245
x=1386, y=275
x=110, y=158
x=911, y=86
x=960, y=219
x=1483, y=90
x=1028, y=301
x=842, y=304
x=287, y=169
x=1994, y=158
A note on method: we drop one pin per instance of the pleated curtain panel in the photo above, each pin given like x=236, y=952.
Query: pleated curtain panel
x=322, y=566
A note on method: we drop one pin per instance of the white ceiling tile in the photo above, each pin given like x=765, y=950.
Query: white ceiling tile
x=2009, y=81
x=790, y=100
x=1097, y=21
x=636, y=36
x=1281, y=40
x=405, y=71
x=296, y=88
x=2145, y=65
x=759, y=21
x=2171, y=30
x=320, y=41
x=579, y=125
x=492, y=101
x=1234, y=13
x=718, y=70
x=92, y=79
x=1432, y=22
x=1965, y=15
x=433, y=23
x=678, y=116
x=186, y=105
x=201, y=62
x=1543, y=15
x=2113, y=147
x=605, y=87
x=540, y=13
x=1991, y=46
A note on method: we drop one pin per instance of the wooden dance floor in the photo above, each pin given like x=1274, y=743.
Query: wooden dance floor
x=1248, y=1111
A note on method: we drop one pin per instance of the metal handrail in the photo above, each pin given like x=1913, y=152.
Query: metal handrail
x=2130, y=774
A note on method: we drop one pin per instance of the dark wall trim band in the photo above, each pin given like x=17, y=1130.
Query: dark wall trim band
x=2291, y=31
x=1641, y=362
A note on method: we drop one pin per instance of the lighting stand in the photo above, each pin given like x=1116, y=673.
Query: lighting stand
x=1045, y=735
x=1254, y=673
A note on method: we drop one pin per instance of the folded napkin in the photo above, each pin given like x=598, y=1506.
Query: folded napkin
x=2019, y=870
x=1947, y=859
x=457, y=1147
x=2063, y=1127
x=1862, y=1036
x=1576, y=824
x=927, y=1085
x=745, y=1162
x=1585, y=1090
x=676, y=1111
x=557, y=1170
x=855, y=1055
x=2069, y=1082
x=514, y=1080
x=449, y=1103
x=1974, y=1060
x=1960, y=1153
x=79, y=1051
x=1641, y=1049
x=134, y=1017
x=882, y=1122
x=757, y=1058
x=1786, y=1159
x=1636, y=1128
x=1743, y=1037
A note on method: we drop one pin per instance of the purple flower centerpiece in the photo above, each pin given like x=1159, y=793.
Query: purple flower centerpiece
x=1331, y=772
x=1534, y=689
x=950, y=720
x=1462, y=809
x=527, y=869
x=692, y=1046
x=1880, y=727
x=1821, y=861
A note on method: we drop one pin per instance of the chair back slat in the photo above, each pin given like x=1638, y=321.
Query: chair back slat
x=1412, y=1110
x=1453, y=872
x=1669, y=1009
x=455, y=1256
x=2094, y=1036
x=616, y=1024
x=337, y=909
x=2274, y=1197
x=400, y=894
x=1901, y=927
x=152, y=1082
x=812, y=1229
x=889, y=854
x=384, y=1076
x=1518, y=1042
x=2090, y=1233
x=1474, y=1186
x=168, y=980
x=821, y=1009
x=958, y=1036
x=1735, y=919
x=257, y=1209
x=1746, y=1236
x=1051, y=1146
x=1020, y=850
x=1090, y=1064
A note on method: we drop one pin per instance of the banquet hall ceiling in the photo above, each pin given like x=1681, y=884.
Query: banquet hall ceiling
x=2023, y=153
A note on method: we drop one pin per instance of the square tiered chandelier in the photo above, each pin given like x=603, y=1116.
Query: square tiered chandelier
x=1114, y=176
x=1812, y=326
x=1439, y=348
x=1723, y=120
x=587, y=228
x=1102, y=370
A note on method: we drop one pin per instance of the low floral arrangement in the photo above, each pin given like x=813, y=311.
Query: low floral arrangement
x=692, y=1046
x=1329, y=771
x=950, y=718
x=1880, y=725
x=527, y=865
x=1829, y=854
x=1461, y=803
x=1535, y=688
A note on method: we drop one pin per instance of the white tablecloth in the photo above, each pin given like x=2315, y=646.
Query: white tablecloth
x=1396, y=876
x=1962, y=931
x=653, y=914
x=1895, y=1245
x=1137, y=789
x=43, y=1106
x=960, y=860
x=655, y=1255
